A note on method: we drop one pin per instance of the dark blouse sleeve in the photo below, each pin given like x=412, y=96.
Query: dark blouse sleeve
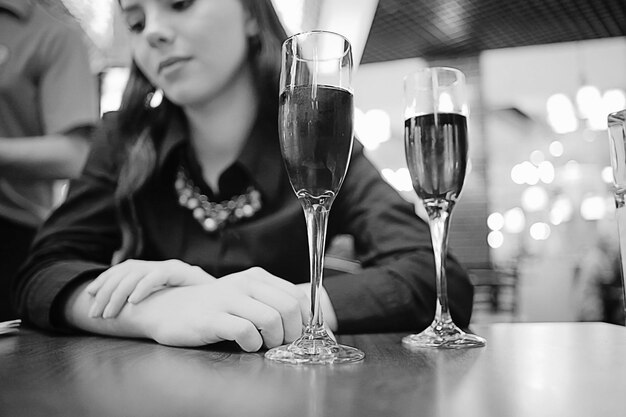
x=395, y=290
x=76, y=242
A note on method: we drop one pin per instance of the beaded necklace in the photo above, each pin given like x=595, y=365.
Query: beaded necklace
x=213, y=215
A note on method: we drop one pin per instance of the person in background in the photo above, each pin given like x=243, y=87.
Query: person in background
x=190, y=197
x=48, y=104
x=597, y=284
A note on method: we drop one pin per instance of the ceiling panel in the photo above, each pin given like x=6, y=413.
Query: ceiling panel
x=435, y=29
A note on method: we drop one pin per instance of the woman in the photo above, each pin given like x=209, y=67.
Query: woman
x=213, y=138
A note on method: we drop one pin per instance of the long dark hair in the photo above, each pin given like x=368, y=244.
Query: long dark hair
x=141, y=127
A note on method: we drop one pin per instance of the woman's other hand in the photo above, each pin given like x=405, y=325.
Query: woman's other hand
x=252, y=308
x=134, y=280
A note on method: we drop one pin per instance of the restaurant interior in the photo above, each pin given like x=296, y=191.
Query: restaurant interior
x=537, y=209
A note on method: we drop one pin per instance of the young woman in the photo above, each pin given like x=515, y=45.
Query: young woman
x=191, y=197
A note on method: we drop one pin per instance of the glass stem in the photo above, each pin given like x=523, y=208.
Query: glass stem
x=439, y=219
x=316, y=213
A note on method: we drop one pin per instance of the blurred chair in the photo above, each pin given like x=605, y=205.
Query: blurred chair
x=495, y=293
x=340, y=258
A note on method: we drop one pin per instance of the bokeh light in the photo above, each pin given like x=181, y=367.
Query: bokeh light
x=495, y=239
x=593, y=208
x=534, y=199
x=556, y=148
x=561, y=211
x=514, y=220
x=495, y=221
x=540, y=231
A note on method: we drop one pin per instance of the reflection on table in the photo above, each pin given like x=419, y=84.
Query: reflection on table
x=532, y=369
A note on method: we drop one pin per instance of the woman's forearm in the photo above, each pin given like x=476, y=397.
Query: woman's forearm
x=128, y=323
x=44, y=157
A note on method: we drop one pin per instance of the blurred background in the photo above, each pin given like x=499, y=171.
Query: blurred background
x=535, y=223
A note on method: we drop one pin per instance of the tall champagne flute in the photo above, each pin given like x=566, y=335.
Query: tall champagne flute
x=436, y=147
x=315, y=129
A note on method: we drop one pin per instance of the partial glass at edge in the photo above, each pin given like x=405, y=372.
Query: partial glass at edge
x=617, y=143
x=436, y=148
x=315, y=130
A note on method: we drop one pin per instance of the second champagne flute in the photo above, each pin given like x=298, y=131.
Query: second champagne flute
x=436, y=146
x=315, y=129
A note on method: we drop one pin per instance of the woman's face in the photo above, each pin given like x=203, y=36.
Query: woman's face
x=192, y=49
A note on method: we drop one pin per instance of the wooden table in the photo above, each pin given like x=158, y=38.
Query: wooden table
x=551, y=369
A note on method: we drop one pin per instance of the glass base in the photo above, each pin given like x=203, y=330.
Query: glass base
x=443, y=335
x=315, y=348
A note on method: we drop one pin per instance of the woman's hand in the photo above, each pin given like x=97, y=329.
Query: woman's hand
x=134, y=280
x=253, y=308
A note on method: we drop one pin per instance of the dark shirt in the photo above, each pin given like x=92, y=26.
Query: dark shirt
x=394, y=290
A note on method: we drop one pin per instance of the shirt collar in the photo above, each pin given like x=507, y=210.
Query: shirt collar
x=20, y=8
x=260, y=157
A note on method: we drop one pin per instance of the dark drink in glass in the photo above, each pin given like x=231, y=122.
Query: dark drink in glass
x=316, y=138
x=436, y=153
